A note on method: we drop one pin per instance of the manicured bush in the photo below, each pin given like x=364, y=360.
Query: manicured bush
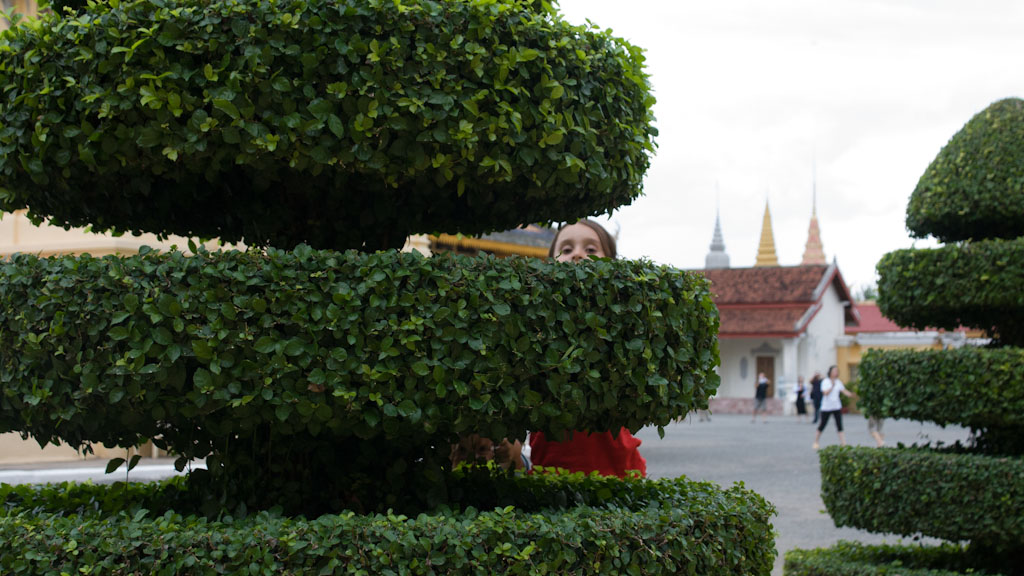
x=854, y=559
x=640, y=527
x=336, y=123
x=906, y=491
x=312, y=361
x=975, y=387
x=972, y=194
x=975, y=186
x=975, y=284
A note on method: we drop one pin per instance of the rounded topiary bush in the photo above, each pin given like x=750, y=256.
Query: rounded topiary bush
x=975, y=186
x=854, y=559
x=979, y=287
x=546, y=525
x=339, y=124
x=973, y=195
x=331, y=384
x=305, y=364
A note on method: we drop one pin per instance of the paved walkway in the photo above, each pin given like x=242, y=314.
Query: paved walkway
x=775, y=459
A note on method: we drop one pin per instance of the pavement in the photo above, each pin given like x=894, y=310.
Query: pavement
x=773, y=457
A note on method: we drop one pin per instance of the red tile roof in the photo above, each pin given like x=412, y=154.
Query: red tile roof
x=871, y=320
x=773, y=301
x=769, y=284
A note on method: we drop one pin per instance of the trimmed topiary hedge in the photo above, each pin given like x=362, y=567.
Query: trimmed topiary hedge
x=854, y=559
x=640, y=527
x=338, y=124
x=914, y=491
x=975, y=387
x=294, y=362
x=973, y=284
x=975, y=186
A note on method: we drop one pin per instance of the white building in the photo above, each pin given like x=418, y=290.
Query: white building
x=785, y=321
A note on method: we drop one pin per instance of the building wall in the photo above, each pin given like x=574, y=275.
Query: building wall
x=738, y=372
x=822, y=335
x=851, y=349
x=815, y=349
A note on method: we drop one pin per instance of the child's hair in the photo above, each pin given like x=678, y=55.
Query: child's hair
x=607, y=242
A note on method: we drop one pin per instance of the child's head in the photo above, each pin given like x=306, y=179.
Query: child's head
x=575, y=242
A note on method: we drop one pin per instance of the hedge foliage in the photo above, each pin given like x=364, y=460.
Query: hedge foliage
x=855, y=559
x=335, y=123
x=975, y=186
x=914, y=491
x=677, y=527
x=309, y=360
x=976, y=387
x=976, y=284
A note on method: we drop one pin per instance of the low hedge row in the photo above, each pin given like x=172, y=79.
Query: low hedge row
x=975, y=186
x=855, y=559
x=973, y=284
x=387, y=345
x=687, y=528
x=915, y=491
x=975, y=387
x=328, y=122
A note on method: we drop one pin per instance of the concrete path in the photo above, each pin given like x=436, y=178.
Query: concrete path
x=776, y=460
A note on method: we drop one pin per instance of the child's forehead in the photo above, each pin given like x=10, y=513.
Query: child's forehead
x=578, y=232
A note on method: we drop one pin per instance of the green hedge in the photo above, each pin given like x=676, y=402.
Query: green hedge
x=855, y=559
x=914, y=491
x=974, y=387
x=385, y=344
x=336, y=123
x=349, y=370
x=687, y=528
x=976, y=284
x=975, y=186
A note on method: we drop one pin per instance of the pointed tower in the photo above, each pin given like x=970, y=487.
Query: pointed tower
x=813, y=252
x=766, y=249
x=717, y=258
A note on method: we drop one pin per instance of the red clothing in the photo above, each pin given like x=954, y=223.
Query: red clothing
x=586, y=452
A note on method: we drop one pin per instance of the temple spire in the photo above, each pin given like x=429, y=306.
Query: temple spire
x=717, y=258
x=766, y=249
x=814, y=252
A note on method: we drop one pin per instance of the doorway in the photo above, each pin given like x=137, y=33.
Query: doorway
x=766, y=364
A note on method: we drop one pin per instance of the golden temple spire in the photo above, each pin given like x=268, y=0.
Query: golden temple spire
x=814, y=253
x=766, y=250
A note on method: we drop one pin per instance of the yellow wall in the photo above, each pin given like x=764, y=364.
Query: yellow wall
x=848, y=357
x=27, y=7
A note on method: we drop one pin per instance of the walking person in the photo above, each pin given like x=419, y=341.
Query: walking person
x=816, y=395
x=761, y=397
x=832, y=405
x=875, y=429
x=800, y=389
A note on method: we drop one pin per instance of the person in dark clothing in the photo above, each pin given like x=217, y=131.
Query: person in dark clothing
x=816, y=396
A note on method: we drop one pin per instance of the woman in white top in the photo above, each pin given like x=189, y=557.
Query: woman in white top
x=832, y=405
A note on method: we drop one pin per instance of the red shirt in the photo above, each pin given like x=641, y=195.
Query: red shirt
x=586, y=452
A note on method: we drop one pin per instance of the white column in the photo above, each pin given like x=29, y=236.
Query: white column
x=789, y=370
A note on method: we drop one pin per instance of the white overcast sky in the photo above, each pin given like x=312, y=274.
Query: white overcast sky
x=752, y=94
